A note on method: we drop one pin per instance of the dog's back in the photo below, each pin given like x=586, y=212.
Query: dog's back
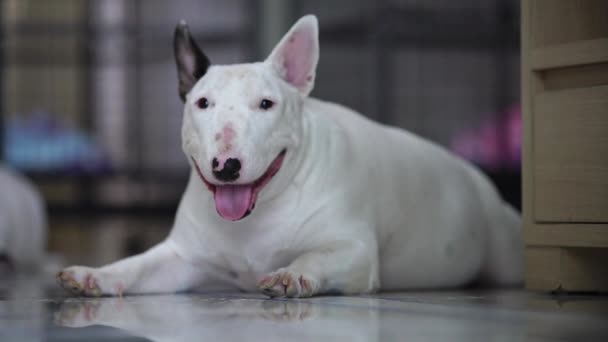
x=440, y=222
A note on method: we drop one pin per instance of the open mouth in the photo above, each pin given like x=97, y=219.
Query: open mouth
x=236, y=201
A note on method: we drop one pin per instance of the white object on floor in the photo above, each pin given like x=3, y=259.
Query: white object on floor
x=23, y=226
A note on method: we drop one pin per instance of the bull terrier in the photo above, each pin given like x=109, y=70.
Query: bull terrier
x=295, y=197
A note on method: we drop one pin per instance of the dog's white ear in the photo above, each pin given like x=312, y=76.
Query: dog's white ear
x=191, y=61
x=295, y=57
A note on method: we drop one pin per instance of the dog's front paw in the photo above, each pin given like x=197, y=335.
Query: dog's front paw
x=79, y=281
x=285, y=283
x=85, y=281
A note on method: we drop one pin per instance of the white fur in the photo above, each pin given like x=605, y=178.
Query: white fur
x=22, y=221
x=356, y=207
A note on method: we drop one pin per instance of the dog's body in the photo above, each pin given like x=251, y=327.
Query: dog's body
x=343, y=204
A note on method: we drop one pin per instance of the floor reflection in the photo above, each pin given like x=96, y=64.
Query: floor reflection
x=32, y=309
x=221, y=318
x=435, y=317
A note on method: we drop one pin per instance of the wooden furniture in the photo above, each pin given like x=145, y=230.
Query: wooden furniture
x=565, y=168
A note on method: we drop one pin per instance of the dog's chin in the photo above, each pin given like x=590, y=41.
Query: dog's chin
x=234, y=202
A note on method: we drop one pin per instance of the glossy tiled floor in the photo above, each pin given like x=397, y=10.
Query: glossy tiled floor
x=34, y=309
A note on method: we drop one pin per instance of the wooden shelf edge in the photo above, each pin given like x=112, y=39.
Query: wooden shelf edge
x=572, y=54
x=566, y=235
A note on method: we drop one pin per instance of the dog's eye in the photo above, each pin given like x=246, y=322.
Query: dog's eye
x=266, y=104
x=202, y=103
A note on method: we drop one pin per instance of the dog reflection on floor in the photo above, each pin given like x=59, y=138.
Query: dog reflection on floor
x=193, y=318
x=250, y=317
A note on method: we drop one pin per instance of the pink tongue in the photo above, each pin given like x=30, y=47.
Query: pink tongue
x=233, y=201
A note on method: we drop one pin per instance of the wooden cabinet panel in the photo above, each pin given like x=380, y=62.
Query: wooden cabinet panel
x=555, y=22
x=571, y=155
x=565, y=148
x=566, y=32
x=566, y=269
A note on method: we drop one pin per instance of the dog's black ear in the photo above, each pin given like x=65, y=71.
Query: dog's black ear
x=191, y=61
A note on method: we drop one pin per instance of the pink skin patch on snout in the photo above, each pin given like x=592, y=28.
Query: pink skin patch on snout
x=225, y=138
x=236, y=201
x=228, y=134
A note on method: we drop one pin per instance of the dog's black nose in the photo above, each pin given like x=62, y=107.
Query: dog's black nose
x=230, y=172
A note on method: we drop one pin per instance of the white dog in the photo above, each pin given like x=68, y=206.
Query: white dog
x=296, y=197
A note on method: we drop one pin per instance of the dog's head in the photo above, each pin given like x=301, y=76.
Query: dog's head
x=242, y=121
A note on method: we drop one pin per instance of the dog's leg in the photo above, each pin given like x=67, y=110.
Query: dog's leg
x=340, y=267
x=160, y=269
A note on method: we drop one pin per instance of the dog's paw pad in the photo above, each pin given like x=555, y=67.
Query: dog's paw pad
x=284, y=283
x=67, y=280
x=79, y=281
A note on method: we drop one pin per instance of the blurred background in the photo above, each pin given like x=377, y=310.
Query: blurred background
x=90, y=110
